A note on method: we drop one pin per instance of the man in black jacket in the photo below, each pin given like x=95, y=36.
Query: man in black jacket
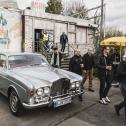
x=88, y=63
x=122, y=82
x=63, y=41
x=75, y=63
x=104, y=67
x=75, y=66
x=115, y=59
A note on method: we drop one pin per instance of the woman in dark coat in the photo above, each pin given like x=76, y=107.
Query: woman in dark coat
x=122, y=83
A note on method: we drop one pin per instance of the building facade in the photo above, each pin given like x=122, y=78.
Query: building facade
x=21, y=30
x=79, y=31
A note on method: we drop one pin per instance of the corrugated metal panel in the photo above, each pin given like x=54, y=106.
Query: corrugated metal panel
x=81, y=35
x=72, y=38
x=42, y=24
x=71, y=28
x=59, y=28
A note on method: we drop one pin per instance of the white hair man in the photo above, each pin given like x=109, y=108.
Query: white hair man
x=88, y=63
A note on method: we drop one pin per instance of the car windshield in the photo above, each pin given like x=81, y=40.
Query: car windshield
x=26, y=60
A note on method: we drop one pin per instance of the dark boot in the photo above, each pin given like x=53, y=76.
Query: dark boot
x=80, y=97
x=117, y=109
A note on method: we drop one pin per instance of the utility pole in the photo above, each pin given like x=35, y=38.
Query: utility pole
x=102, y=18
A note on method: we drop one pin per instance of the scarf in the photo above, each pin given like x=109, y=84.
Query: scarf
x=52, y=59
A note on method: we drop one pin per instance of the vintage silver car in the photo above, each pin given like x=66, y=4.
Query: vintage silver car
x=30, y=82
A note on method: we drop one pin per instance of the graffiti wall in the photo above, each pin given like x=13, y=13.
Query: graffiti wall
x=10, y=30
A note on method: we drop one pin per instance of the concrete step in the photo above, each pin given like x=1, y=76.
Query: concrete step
x=64, y=66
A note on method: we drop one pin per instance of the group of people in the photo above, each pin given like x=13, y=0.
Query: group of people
x=109, y=68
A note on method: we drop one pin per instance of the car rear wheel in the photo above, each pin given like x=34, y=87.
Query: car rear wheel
x=14, y=102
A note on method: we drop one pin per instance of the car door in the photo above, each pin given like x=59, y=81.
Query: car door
x=3, y=76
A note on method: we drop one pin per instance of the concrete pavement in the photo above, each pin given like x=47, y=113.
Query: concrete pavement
x=86, y=113
x=98, y=114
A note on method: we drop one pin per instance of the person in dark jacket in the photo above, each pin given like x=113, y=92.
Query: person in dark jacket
x=122, y=83
x=115, y=59
x=104, y=68
x=76, y=63
x=75, y=66
x=63, y=41
x=88, y=63
x=56, y=58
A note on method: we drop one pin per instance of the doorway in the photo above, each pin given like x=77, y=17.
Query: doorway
x=38, y=35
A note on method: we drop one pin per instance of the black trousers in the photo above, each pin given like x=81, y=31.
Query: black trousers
x=63, y=46
x=114, y=73
x=123, y=91
x=105, y=84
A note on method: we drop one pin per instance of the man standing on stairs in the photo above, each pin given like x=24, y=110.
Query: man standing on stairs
x=56, y=58
x=88, y=63
x=46, y=40
x=63, y=41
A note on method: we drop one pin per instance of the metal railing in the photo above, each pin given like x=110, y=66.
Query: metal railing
x=70, y=48
x=41, y=48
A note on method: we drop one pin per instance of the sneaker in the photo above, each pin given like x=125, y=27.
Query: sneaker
x=117, y=110
x=102, y=101
x=107, y=99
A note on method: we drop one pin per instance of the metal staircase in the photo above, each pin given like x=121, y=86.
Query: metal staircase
x=65, y=61
x=65, y=56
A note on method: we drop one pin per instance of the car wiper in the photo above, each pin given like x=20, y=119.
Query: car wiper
x=36, y=64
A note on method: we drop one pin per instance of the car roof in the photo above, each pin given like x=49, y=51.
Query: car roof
x=18, y=53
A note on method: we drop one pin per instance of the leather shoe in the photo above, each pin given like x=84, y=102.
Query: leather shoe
x=90, y=89
x=80, y=98
x=117, y=110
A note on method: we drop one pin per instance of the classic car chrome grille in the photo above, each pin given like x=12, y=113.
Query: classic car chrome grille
x=60, y=87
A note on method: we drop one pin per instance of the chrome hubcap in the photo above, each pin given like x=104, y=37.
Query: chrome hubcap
x=13, y=102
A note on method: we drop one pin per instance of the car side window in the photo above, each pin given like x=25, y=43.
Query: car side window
x=2, y=61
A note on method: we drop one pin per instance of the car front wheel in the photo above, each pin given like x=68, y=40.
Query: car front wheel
x=14, y=103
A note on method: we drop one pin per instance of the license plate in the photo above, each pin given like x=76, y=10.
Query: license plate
x=58, y=102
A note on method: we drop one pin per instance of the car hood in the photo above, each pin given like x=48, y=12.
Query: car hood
x=43, y=76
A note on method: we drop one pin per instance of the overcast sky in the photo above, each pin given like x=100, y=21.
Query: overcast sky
x=115, y=11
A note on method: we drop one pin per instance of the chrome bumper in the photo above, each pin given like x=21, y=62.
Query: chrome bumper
x=49, y=103
x=32, y=106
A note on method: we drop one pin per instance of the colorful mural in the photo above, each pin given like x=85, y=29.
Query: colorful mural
x=10, y=30
x=3, y=30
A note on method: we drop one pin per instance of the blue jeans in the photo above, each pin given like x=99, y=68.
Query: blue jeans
x=123, y=91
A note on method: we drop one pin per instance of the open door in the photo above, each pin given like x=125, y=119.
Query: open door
x=38, y=33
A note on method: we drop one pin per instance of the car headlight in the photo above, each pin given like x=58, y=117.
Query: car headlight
x=73, y=85
x=39, y=92
x=46, y=90
x=77, y=84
